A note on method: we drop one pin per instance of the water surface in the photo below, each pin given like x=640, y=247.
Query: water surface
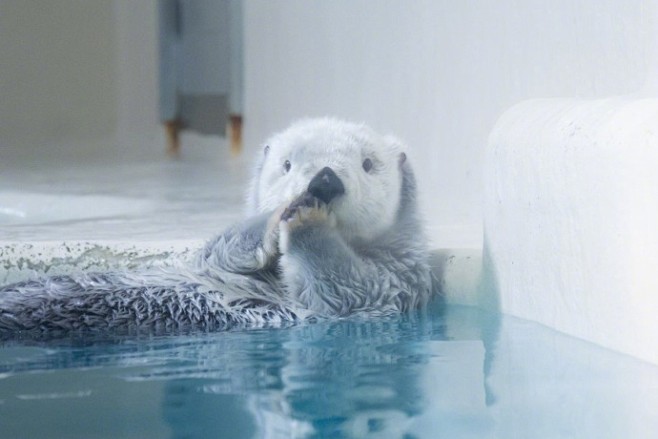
x=455, y=373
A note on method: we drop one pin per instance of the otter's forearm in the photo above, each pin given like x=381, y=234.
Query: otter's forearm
x=244, y=248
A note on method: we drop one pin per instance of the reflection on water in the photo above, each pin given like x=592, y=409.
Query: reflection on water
x=453, y=373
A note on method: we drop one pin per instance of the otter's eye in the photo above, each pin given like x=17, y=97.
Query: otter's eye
x=367, y=165
x=286, y=166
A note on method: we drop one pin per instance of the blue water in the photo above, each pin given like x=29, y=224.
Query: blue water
x=454, y=373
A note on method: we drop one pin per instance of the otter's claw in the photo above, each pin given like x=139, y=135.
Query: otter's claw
x=304, y=210
x=307, y=209
x=305, y=200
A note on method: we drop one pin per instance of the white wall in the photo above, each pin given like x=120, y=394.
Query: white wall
x=438, y=74
x=78, y=79
x=57, y=75
x=136, y=37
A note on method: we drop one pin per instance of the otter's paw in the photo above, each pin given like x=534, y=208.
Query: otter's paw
x=270, y=247
x=306, y=210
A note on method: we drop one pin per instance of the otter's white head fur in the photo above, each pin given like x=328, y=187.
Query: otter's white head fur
x=368, y=165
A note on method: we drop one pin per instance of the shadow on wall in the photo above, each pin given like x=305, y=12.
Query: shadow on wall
x=488, y=286
x=483, y=292
x=489, y=299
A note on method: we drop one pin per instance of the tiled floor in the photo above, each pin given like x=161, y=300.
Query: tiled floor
x=150, y=201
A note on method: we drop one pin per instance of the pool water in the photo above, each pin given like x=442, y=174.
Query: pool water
x=454, y=372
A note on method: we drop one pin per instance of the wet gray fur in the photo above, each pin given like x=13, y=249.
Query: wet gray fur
x=228, y=284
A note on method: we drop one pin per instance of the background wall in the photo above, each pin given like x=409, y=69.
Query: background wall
x=57, y=74
x=136, y=38
x=81, y=76
x=78, y=79
x=437, y=73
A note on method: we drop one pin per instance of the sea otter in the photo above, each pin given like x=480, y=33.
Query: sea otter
x=332, y=230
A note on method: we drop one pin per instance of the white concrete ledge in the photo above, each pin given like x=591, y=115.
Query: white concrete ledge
x=22, y=261
x=571, y=219
x=456, y=269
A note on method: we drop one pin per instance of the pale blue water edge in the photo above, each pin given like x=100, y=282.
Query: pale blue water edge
x=454, y=373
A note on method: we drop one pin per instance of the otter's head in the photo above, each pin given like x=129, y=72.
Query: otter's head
x=352, y=169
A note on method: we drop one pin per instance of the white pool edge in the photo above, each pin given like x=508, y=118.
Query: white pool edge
x=571, y=219
x=20, y=261
x=458, y=270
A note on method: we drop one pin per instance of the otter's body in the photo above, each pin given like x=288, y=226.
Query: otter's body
x=332, y=230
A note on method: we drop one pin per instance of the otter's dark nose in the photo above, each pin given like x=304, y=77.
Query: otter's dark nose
x=326, y=185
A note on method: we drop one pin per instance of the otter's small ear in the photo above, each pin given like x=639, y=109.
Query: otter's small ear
x=396, y=146
x=266, y=149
